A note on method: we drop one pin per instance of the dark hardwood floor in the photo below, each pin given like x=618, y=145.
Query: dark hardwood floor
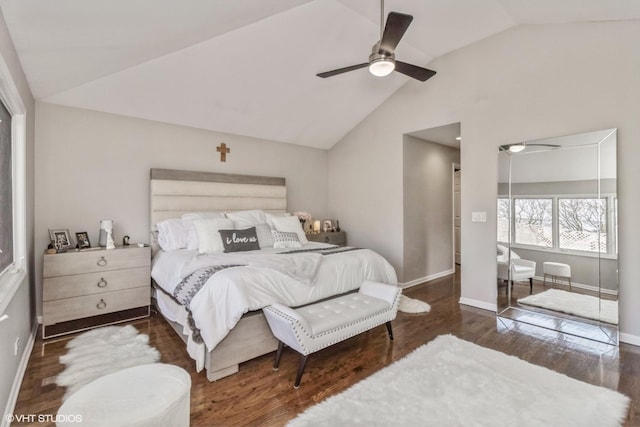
x=259, y=396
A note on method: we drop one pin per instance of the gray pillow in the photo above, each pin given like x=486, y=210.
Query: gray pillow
x=240, y=240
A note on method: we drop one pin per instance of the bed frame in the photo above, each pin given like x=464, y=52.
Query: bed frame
x=175, y=192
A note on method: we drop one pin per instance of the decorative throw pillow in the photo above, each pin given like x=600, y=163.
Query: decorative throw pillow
x=209, y=241
x=290, y=224
x=265, y=239
x=240, y=240
x=284, y=239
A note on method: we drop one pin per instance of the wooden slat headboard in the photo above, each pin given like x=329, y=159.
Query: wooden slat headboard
x=175, y=192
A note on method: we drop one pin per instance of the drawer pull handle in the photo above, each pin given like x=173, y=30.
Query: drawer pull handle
x=102, y=283
x=102, y=262
x=327, y=239
x=101, y=305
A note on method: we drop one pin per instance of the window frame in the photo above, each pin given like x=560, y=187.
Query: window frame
x=611, y=225
x=15, y=274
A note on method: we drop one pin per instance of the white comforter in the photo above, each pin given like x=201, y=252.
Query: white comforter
x=292, y=279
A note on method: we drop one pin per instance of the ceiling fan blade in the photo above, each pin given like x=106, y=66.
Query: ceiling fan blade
x=394, y=29
x=341, y=70
x=418, y=73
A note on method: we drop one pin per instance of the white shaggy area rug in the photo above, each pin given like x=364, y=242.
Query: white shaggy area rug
x=451, y=382
x=102, y=351
x=412, y=305
x=581, y=305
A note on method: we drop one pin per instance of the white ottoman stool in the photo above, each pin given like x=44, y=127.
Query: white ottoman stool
x=556, y=270
x=155, y=395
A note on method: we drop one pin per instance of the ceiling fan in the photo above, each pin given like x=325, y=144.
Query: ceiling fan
x=382, y=60
x=521, y=146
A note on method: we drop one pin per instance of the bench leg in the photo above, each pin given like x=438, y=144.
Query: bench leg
x=278, y=355
x=303, y=363
x=389, y=330
x=530, y=285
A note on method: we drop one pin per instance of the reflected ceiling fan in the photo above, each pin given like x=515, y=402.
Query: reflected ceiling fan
x=382, y=60
x=521, y=146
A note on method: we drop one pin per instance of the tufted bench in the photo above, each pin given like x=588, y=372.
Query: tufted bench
x=313, y=327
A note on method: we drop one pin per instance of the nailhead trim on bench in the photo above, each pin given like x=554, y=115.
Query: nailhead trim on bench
x=301, y=328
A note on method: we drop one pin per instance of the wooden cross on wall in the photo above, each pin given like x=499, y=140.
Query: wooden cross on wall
x=223, y=150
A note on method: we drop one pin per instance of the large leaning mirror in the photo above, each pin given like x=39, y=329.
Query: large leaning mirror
x=557, y=259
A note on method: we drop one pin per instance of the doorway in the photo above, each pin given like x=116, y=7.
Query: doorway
x=456, y=216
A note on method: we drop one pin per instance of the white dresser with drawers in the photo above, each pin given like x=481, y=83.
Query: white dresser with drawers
x=84, y=289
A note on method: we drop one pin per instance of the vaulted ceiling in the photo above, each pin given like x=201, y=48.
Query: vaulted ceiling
x=248, y=67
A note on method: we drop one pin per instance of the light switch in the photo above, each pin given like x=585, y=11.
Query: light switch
x=478, y=217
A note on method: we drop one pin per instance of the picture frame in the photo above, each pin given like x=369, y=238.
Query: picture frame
x=327, y=225
x=82, y=238
x=60, y=238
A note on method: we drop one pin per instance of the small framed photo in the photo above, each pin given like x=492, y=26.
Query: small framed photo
x=60, y=238
x=83, y=240
x=327, y=225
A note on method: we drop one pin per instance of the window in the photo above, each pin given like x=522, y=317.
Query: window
x=560, y=223
x=503, y=220
x=6, y=190
x=533, y=222
x=582, y=224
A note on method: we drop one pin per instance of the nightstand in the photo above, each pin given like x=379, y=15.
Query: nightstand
x=95, y=287
x=331, y=237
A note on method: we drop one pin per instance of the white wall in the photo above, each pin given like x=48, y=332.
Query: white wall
x=428, y=209
x=92, y=165
x=21, y=307
x=526, y=83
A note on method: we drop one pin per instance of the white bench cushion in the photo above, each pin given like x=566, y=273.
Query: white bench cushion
x=338, y=312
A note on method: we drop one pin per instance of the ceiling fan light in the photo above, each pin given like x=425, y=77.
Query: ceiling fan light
x=381, y=67
x=516, y=148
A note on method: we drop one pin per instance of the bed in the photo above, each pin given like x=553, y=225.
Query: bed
x=222, y=323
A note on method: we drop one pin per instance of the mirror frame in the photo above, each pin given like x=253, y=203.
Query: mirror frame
x=548, y=319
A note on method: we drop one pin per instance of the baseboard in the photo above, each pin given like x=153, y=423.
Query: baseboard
x=17, y=381
x=629, y=339
x=479, y=304
x=591, y=288
x=426, y=279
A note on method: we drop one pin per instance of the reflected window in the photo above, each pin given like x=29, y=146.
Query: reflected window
x=582, y=224
x=503, y=220
x=533, y=223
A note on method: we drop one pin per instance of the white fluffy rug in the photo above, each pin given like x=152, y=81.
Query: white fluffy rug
x=451, y=382
x=103, y=351
x=577, y=304
x=412, y=305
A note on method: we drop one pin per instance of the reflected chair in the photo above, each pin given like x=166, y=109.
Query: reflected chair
x=521, y=269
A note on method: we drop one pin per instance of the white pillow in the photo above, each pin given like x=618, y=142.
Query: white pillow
x=209, y=240
x=284, y=239
x=189, y=218
x=270, y=217
x=265, y=238
x=247, y=219
x=290, y=224
x=172, y=234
